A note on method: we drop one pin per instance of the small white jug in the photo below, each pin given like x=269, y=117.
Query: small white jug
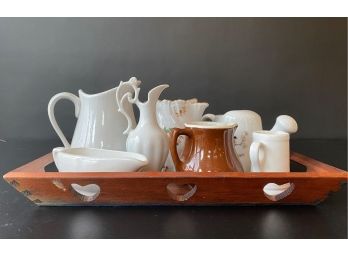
x=270, y=151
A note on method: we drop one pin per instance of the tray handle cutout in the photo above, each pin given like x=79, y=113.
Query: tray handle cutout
x=275, y=192
x=87, y=193
x=181, y=192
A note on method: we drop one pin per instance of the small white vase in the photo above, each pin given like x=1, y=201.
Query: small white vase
x=147, y=137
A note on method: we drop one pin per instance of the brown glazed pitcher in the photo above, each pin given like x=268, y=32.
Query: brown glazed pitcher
x=208, y=147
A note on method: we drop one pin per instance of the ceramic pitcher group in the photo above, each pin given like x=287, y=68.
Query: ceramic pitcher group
x=233, y=141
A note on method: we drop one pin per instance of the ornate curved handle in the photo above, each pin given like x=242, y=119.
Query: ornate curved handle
x=52, y=118
x=123, y=95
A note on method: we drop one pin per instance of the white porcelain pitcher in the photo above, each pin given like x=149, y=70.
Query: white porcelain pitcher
x=99, y=124
x=270, y=151
x=147, y=137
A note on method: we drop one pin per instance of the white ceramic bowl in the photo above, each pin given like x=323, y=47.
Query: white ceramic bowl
x=90, y=159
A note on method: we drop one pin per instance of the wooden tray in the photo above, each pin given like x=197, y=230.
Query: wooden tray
x=175, y=188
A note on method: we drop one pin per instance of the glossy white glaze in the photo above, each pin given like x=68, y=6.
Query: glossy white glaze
x=147, y=137
x=270, y=151
x=286, y=124
x=174, y=114
x=90, y=159
x=99, y=124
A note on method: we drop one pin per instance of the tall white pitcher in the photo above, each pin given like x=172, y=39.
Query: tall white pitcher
x=99, y=124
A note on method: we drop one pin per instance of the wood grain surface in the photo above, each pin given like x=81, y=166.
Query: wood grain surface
x=174, y=188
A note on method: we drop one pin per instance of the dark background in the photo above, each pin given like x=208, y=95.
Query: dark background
x=274, y=66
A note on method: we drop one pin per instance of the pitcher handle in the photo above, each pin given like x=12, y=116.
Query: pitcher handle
x=121, y=97
x=208, y=117
x=73, y=98
x=175, y=133
x=255, y=156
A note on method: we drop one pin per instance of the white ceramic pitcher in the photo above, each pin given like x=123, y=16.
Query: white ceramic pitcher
x=99, y=124
x=270, y=151
x=147, y=137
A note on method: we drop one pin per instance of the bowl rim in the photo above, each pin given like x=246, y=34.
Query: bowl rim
x=124, y=155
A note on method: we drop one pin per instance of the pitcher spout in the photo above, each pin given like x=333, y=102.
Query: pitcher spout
x=111, y=92
x=155, y=93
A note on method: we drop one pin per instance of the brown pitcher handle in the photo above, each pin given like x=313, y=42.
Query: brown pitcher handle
x=175, y=133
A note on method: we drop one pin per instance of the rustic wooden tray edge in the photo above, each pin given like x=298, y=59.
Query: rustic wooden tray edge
x=176, y=188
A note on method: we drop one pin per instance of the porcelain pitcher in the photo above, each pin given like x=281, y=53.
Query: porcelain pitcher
x=248, y=122
x=99, y=124
x=174, y=114
x=209, y=148
x=147, y=137
x=270, y=151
